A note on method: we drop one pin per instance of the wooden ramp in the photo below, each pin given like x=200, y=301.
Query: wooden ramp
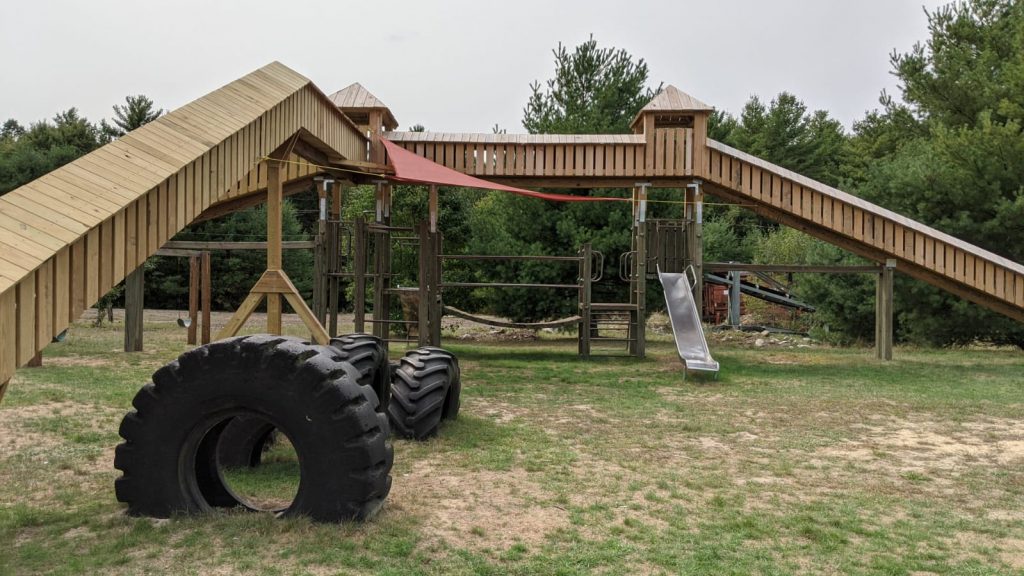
x=865, y=229
x=68, y=237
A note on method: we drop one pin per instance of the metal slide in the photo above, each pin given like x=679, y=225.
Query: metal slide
x=686, y=327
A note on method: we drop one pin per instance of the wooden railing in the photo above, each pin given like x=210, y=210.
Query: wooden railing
x=554, y=156
x=867, y=229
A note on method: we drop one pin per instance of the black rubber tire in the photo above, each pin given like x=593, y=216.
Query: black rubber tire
x=370, y=356
x=453, y=399
x=420, y=388
x=243, y=441
x=169, y=456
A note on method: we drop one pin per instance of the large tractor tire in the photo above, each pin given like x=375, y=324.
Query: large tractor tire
x=370, y=356
x=422, y=392
x=245, y=439
x=169, y=457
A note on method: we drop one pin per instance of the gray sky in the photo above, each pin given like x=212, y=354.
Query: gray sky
x=455, y=66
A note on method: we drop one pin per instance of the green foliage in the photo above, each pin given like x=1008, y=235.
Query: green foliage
x=845, y=302
x=952, y=155
x=28, y=154
x=233, y=272
x=594, y=91
x=784, y=133
x=136, y=111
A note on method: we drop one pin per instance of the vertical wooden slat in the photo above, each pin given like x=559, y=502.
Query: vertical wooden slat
x=9, y=328
x=78, y=279
x=153, y=220
x=92, y=267
x=106, y=257
x=26, y=329
x=44, y=305
x=120, y=236
x=61, y=288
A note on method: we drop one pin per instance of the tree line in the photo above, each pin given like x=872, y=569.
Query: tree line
x=947, y=150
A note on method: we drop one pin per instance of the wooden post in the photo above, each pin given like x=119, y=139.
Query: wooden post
x=734, y=298
x=382, y=266
x=432, y=208
x=333, y=268
x=275, y=192
x=426, y=261
x=638, y=345
x=697, y=245
x=884, y=311
x=194, y=273
x=334, y=232
x=206, y=296
x=586, y=274
x=134, y=289
x=36, y=361
x=359, y=275
x=274, y=283
x=436, y=302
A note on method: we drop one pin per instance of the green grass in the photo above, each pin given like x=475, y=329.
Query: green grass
x=796, y=460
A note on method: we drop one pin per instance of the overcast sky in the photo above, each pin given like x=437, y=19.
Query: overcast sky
x=454, y=66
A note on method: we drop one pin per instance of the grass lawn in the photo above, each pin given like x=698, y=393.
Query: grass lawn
x=796, y=460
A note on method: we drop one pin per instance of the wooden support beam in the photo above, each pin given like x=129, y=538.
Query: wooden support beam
x=242, y=314
x=134, y=290
x=638, y=344
x=194, y=267
x=230, y=206
x=788, y=268
x=884, y=311
x=274, y=284
x=206, y=295
x=359, y=275
x=585, y=297
x=423, y=312
x=190, y=246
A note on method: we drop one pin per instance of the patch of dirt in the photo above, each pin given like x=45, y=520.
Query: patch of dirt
x=925, y=445
x=1009, y=550
x=477, y=510
x=14, y=437
x=76, y=360
x=497, y=410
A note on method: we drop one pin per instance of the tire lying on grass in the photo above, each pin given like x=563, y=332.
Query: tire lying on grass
x=425, y=389
x=370, y=356
x=169, y=456
x=245, y=439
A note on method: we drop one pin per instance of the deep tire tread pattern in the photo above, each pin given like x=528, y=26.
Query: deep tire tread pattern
x=296, y=384
x=424, y=386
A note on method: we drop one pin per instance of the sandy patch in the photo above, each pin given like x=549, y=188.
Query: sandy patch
x=76, y=360
x=926, y=445
x=478, y=510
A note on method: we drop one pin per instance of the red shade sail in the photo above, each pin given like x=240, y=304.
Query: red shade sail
x=410, y=167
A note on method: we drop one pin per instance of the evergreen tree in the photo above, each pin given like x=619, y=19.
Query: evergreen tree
x=134, y=113
x=594, y=90
x=951, y=154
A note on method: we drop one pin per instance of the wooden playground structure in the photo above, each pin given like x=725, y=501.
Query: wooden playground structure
x=71, y=235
